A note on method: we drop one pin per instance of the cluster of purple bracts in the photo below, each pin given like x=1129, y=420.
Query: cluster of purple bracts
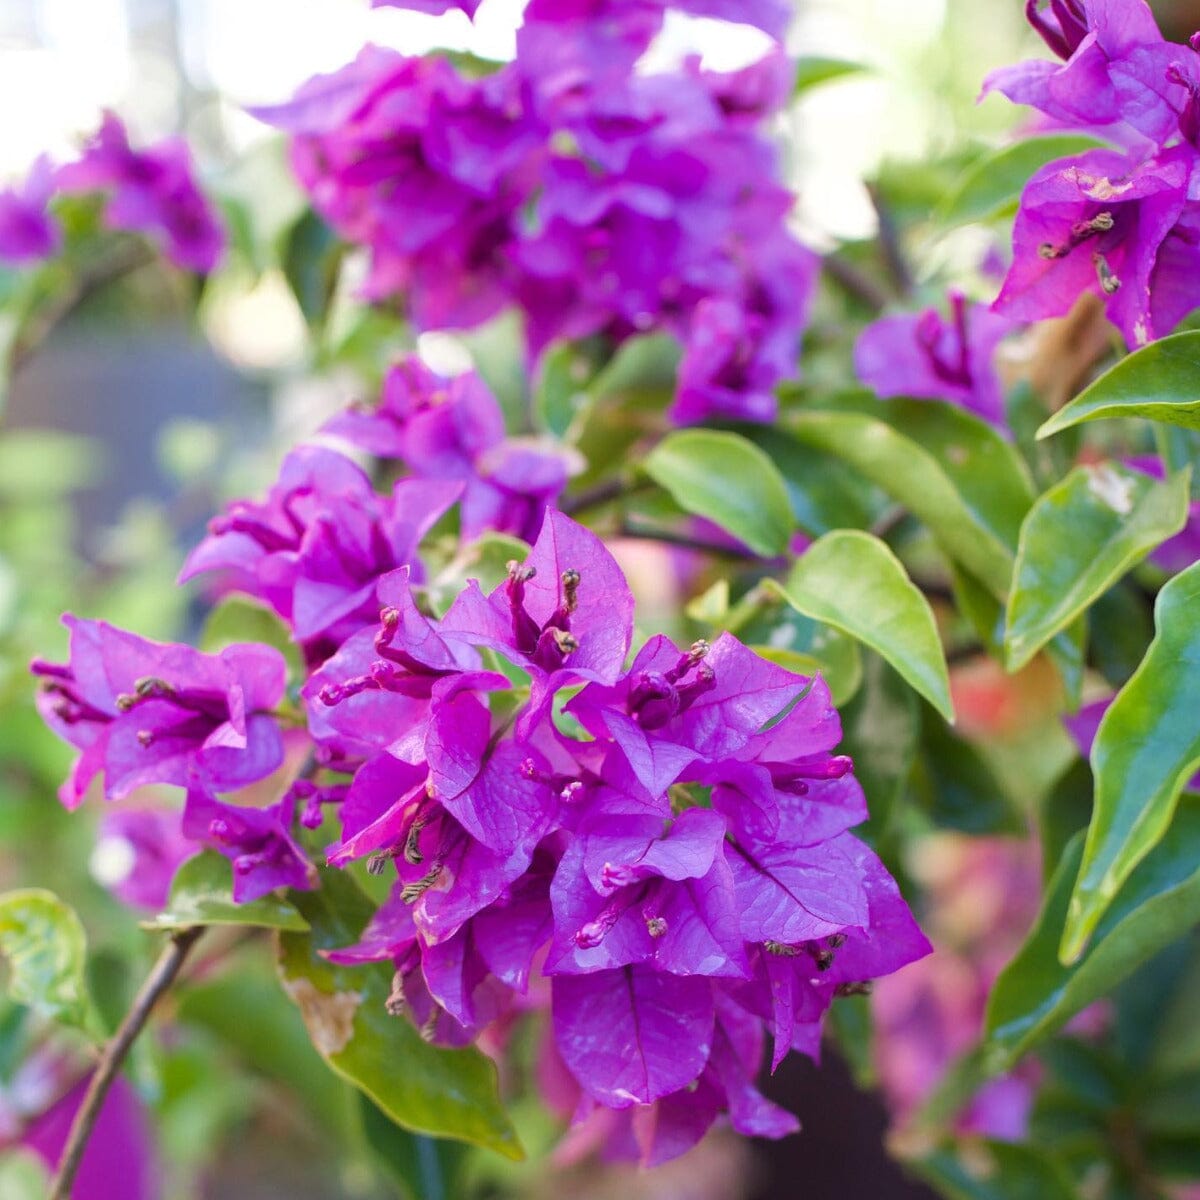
x=1122, y=223
x=596, y=200
x=151, y=191
x=657, y=849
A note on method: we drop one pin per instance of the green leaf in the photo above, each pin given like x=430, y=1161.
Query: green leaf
x=881, y=728
x=561, y=397
x=991, y=1170
x=825, y=493
x=813, y=70
x=1146, y=749
x=202, y=894
x=423, y=1168
x=993, y=184
x=1158, y=382
x=957, y=787
x=425, y=1088
x=852, y=581
x=729, y=480
x=1063, y=812
x=312, y=258
x=1081, y=537
x=950, y=469
x=46, y=949
x=1036, y=994
x=240, y=619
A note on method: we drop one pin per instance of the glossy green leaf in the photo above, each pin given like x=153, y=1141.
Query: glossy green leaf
x=240, y=619
x=950, y=469
x=993, y=184
x=1080, y=538
x=1160, y=381
x=1036, y=994
x=852, y=581
x=202, y=894
x=43, y=942
x=992, y=1170
x=425, y=1088
x=1120, y=628
x=312, y=258
x=729, y=480
x=1146, y=749
x=813, y=70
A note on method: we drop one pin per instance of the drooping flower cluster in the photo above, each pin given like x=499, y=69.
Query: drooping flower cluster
x=925, y=357
x=151, y=191
x=596, y=200
x=660, y=850
x=1121, y=223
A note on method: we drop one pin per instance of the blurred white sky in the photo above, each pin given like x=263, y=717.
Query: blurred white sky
x=61, y=61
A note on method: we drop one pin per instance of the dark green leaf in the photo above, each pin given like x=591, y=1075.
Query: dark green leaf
x=825, y=493
x=425, y=1088
x=990, y=1170
x=312, y=258
x=1064, y=811
x=202, y=894
x=1160, y=381
x=1146, y=749
x=1036, y=994
x=881, y=607
x=993, y=184
x=1080, y=538
x=1120, y=628
x=951, y=470
x=423, y=1168
x=729, y=480
x=881, y=727
x=43, y=942
x=957, y=787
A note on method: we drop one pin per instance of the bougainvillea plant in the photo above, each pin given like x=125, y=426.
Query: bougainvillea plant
x=907, y=694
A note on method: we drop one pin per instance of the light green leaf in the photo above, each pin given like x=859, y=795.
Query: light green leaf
x=1146, y=749
x=729, y=480
x=852, y=581
x=1081, y=537
x=43, y=941
x=1160, y=381
x=202, y=894
x=950, y=469
x=1036, y=994
x=993, y=184
x=813, y=70
x=425, y=1088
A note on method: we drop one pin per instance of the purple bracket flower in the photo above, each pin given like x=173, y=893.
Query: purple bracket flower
x=154, y=191
x=28, y=233
x=144, y=712
x=926, y=357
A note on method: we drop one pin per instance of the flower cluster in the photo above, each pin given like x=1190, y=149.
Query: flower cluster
x=926, y=357
x=1120, y=223
x=151, y=191
x=659, y=849
x=596, y=200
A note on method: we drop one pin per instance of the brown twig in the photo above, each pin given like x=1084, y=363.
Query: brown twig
x=594, y=497
x=856, y=282
x=164, y=973
x=669, y=538
x=889, y=243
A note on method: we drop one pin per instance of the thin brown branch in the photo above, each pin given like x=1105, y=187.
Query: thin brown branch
x=163, y=974
x=889, y=243
x=670, y=538
x=594, y=497
x=854, y=281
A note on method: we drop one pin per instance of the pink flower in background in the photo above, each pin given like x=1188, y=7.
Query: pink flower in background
x=28, y=233
x=926, y=357
x=982, y=897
